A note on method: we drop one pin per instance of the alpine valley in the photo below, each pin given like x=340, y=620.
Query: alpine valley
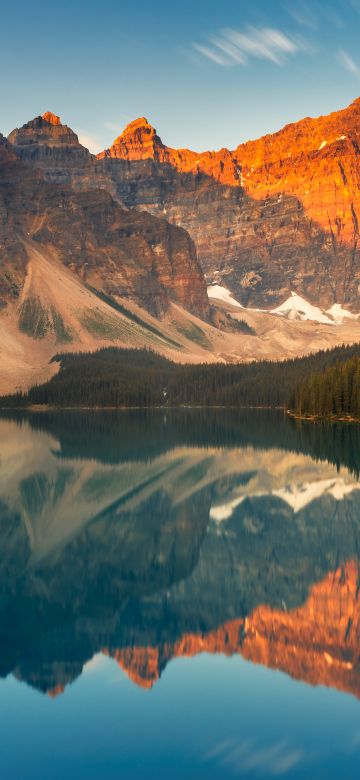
x=220, y=256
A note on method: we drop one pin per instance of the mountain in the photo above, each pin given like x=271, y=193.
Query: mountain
x=45, y=141
x=275, y=215
x=134, y=232
x=66, y=254
x=128, y=253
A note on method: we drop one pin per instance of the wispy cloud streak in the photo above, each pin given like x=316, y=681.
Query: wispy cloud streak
x=348, y=63
x=235, y=47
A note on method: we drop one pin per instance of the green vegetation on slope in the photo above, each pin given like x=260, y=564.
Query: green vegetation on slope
x=63, y=334
x=131, y=316
x=33, y=318
x=194, y=333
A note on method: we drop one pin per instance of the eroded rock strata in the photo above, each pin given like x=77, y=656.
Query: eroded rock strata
x=122, y=252
x=276, y=214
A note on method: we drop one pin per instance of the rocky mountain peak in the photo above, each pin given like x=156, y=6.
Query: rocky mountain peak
x=42, y=123
x=136, y=124
x=51, y=118
x=42, y=133
x=139, y=141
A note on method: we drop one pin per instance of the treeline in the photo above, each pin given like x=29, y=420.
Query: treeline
x=115, y=377
x=333, y=393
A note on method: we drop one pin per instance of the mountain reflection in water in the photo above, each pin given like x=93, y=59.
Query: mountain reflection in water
x=149, y=536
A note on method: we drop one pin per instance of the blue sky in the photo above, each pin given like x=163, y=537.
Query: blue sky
x=205, y=73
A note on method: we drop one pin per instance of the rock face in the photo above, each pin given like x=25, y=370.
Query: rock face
x=54, y=148
x=122, y=252
x=13, y=258
x=276, y=214
x=139, y=141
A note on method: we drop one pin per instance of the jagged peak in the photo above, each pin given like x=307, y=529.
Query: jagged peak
x=137, y=141
x=45, y=128
x=51, y=118
x=139, y=130
x=46, y=120
x=136, y=123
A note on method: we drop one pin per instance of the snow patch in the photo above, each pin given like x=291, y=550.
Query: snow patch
x=294, y=308
x=222, y=294
x=332, y=141
x=339, y=314
x=297, y=308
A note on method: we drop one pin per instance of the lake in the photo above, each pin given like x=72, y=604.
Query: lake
x=179, y=596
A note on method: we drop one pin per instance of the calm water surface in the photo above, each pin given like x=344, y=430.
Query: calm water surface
x=179, y=596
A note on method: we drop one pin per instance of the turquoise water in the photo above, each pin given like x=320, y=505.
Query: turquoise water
x=179, y=596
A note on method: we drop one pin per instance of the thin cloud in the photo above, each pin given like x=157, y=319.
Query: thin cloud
x=348, y=63
x=313, y=15
x=90, y=141
x=303, y=14
x=210, y=54
x=116, y=126
x=111, y=126
x=234, y=47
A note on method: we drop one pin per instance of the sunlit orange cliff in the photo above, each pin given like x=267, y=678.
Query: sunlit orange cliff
x=277, y=213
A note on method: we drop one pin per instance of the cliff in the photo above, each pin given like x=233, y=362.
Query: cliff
x=277, y=214
x=124, y=253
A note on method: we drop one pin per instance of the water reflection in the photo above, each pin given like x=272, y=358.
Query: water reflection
x=148, y=537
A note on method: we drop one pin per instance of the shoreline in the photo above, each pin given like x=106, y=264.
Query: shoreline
x=53, y=408
x=42, y=408
x=321, y=418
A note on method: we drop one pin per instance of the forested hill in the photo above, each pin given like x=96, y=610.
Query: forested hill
x=333, y=393
x=137, y=378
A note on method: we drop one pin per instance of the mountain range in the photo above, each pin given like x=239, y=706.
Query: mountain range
x=143, y=244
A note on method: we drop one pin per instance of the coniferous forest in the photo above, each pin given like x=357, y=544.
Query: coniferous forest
x=333, y=393
x=326, y=383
